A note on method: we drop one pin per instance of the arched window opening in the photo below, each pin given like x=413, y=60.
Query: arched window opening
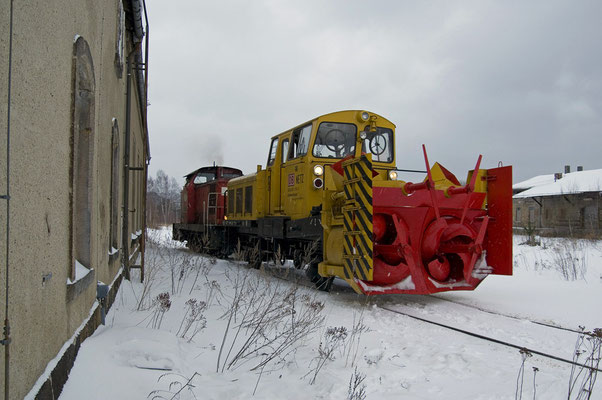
x=83, y=153
x=114, y=228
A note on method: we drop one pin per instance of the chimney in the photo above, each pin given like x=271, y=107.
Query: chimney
x=557, y=175
x=580, y=168
x=567, y=169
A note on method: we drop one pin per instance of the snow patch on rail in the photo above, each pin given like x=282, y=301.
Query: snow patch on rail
x=406, y=284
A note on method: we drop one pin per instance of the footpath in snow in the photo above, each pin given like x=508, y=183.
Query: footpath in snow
x=201, y=328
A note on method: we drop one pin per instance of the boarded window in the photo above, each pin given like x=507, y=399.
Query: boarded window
x=517, y=215
x=239, y=201
x=114, y=186
x=83, y=153
x=119, y=40
x=249, y=200
x=531, y=214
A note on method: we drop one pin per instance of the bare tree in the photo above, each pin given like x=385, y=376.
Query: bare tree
x=163, y=201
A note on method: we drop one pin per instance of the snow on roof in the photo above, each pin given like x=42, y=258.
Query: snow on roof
x=571, y=183
x=535, y=181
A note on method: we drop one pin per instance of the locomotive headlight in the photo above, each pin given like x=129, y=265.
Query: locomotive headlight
x=318, y=183
x=363, y=116
x=318, y=170
x=392, y=175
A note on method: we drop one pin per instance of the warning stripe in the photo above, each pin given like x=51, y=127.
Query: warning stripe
x=348, y=269
x=357, y=221
x=364, y=219
x=365, y=171
x=348, y=221
x=364, y=199
x=365, y=245
x=348, y=246
x=348, y=194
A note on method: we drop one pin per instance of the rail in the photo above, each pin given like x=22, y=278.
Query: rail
x=490, y=339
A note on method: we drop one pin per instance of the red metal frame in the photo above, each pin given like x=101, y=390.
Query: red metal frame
x=428, y=240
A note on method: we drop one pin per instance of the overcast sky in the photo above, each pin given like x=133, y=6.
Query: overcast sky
x=517, y=81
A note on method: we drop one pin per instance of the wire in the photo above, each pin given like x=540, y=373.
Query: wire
x=6, y=340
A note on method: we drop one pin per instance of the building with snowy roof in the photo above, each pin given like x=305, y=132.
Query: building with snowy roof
x=74, y=153
x=560, y=204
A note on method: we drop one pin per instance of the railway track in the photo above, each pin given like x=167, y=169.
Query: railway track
x=495, y=340
x=299, y=279
x=562, y=328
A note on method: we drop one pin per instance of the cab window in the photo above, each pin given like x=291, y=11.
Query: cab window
x=272, y=155
x=204, y=177
x=284, y=150
x=300, y=142
x=335, y=140
x=379, y=144
x=229, y=173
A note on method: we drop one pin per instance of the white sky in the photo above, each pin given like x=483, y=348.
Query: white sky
x=517, y=81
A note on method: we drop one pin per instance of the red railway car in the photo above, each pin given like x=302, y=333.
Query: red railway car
x=204, y=207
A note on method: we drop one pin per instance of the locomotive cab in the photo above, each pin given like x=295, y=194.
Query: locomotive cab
x=299, y=158
x=203, y=207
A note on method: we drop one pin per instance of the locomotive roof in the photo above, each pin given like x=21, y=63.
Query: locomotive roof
x=211, y=167
x=332, y=114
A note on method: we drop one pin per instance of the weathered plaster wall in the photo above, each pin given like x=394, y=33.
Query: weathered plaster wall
x=42, y=318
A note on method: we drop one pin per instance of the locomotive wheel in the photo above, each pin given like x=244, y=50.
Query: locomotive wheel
x=324, y=284
x=254, y=259
x=255, y=264
x=254, y=256
x=194, y=244
x=279, y=257
x=298, y=259
x=321, y=283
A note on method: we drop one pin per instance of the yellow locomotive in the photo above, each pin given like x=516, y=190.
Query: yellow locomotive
x=332, y=182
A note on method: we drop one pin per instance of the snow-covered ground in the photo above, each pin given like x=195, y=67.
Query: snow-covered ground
x=305, y=344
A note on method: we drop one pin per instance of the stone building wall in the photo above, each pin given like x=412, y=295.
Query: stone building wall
x=67, y=130
x=571, y=214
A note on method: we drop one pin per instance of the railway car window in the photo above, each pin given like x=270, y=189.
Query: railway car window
x=300, y=143
x=230, y=175
x=284, y=150
x=204, y=177
x=239, y=201
x=379, y=144
x=335, y=140
x=249, y=200
x=272, y=155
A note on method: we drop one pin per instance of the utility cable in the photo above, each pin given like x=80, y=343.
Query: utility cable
x=6, y=340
